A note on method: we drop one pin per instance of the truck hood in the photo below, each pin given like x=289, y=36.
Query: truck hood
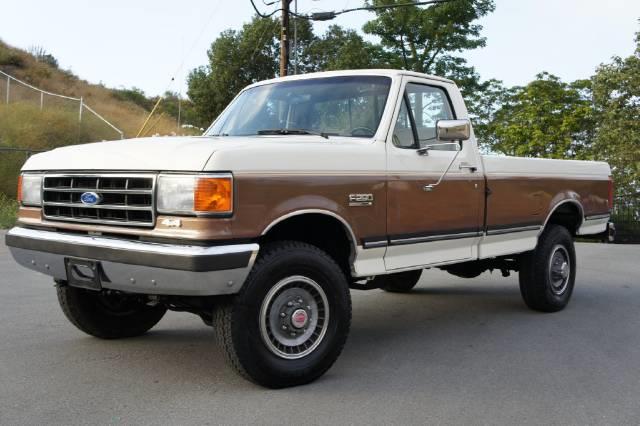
x=200, y=153
x=143, y=154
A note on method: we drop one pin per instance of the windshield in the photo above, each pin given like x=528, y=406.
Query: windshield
x=334, y=106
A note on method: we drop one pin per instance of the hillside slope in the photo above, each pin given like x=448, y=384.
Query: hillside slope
x=26, y=123
x=124, y=114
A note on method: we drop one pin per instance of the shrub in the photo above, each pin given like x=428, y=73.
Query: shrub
x=10, y=58
x=134, y=95
x=8, y=211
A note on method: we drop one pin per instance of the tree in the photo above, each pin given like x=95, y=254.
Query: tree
x=340, y=49
x=236, y=59
x=424, y=38
x=41, y=55
x=177, y=106
x=546, y=118
x=239, y=58
x=616, y=93
x=491, y=96
x=428, y=40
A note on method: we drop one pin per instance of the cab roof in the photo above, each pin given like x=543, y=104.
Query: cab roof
x=376, y=72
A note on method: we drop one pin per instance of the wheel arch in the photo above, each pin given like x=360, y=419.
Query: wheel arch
x=568, y=213
x=296, y=225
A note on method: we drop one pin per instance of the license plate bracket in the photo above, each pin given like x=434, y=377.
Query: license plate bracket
x=83, y=273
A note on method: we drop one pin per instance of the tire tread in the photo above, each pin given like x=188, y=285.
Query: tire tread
x=223, y=316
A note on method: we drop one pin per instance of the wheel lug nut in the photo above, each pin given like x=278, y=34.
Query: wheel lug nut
x=284, y=327
x=282, y=315
x=308, y=308
x=299, y=300
x=290, y=304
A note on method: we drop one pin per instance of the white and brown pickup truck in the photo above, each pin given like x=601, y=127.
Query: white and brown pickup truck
x=303, y=188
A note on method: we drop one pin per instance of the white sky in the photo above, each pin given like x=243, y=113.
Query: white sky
x=143, y=43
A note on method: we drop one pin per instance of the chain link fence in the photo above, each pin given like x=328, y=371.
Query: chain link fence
x=33, y=120
x=17, y=92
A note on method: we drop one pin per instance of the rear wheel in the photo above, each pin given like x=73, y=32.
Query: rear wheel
x=547, y=274
x=108, y=315
x=400, y=282
x=290, y=321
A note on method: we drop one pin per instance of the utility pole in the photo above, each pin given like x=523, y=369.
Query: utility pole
x=284, y=39
x=295, y=38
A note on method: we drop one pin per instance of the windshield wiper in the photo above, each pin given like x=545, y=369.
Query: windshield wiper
x=285, y=131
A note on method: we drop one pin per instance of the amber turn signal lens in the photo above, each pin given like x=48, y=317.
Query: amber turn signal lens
x=19, y=191
x=213, y=195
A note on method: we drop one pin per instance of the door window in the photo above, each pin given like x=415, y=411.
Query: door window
x=403, y=136
x=427, y=105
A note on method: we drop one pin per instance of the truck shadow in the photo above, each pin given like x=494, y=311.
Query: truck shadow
x=417, y=322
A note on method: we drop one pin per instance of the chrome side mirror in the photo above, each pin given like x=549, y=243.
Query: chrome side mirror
x=453, y=130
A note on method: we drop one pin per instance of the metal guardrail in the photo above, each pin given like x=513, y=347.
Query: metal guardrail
x=626, y=217
x=82, y=105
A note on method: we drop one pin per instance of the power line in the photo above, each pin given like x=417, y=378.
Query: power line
x=320, y=16
x=264, y=15
x=326, y=16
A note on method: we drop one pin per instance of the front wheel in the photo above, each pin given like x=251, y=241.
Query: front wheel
x=548, y=273
x=108, y=315
x=290, y=321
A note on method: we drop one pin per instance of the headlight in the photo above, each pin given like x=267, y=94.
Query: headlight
x=195, y=194
x=30, y=189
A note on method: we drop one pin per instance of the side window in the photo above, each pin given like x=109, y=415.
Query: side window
x=403, y=130
x=428, y=105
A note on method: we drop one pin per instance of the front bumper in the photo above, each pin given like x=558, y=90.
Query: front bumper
x=137, y=266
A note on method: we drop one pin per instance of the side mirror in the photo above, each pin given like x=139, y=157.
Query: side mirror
x=453, y=130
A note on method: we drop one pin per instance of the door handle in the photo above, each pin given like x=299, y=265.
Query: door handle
x=463, y=165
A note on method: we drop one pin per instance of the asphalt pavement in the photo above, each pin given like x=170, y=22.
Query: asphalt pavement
x=454, y=351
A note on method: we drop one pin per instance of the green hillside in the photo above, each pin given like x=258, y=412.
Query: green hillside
x=41, y=122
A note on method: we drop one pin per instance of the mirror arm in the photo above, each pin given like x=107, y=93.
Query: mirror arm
x=432, y=186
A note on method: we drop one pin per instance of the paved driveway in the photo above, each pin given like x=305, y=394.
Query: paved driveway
x=454, y=351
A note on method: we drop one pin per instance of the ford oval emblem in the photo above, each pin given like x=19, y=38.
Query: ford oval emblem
x=90, y=198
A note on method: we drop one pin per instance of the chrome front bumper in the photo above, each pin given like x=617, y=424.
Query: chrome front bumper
x=137, y=266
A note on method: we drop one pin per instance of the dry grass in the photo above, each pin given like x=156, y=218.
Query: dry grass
x=23, y=124
x=125, y=115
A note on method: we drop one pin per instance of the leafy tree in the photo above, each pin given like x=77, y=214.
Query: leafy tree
x=546, y=118
x=41, y=55
x=490, y=97
x=428, y=40
x=239, y=58
x=340, y=49
x=424, y=39
x=616, y=94
x=134, y=95
x=177, y=106
x=236, y=59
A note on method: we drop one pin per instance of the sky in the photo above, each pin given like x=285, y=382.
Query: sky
x=146, y=43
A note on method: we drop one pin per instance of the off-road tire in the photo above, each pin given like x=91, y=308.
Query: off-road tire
x=536, y=284
x=400, y=282
x=237, y=319
x=88, y=311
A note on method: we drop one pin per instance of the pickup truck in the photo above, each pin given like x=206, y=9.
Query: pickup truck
x=303, y=188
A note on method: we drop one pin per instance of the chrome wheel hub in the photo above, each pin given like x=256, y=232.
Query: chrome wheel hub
x=294, y=317
x=559, y=270
x=299, y=318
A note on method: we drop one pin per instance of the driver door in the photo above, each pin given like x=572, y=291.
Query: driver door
x=442, y=225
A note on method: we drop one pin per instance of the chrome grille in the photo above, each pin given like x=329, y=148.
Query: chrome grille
x=126, y=200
